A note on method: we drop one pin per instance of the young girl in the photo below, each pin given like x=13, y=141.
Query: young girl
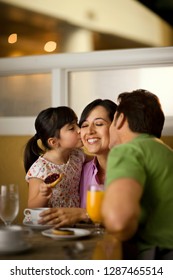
x=54, y=149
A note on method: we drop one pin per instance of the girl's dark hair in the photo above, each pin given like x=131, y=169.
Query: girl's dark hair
x=47, y=124
x=109, y=105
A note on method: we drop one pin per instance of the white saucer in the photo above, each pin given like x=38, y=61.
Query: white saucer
x=14, y=250
x=36, y=226
x=78, y=233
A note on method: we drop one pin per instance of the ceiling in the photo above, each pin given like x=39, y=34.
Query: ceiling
x=164, y=8
x=34, y=30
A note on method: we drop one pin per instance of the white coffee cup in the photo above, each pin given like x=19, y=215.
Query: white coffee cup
x=33, y=215
x=13, y=236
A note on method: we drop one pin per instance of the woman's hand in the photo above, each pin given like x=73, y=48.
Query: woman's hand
x=63, y=216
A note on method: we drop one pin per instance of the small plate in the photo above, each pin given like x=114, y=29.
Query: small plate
x=35, y=226
x=78, y=233
x=15, y=250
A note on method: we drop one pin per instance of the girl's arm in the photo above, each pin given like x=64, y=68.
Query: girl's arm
x=39, y=193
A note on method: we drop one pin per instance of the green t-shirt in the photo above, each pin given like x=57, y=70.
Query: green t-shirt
x=150, y=162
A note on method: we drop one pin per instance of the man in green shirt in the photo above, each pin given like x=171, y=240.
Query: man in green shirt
x=138, y=201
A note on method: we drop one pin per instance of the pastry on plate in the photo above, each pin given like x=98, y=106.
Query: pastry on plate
x=62, y=231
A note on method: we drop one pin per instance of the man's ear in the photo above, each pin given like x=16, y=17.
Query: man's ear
x=120, y=121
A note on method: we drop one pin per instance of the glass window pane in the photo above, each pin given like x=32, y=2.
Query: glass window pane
x=85, y=86
x=24, y=95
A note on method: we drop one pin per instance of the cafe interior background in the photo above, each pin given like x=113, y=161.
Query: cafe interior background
x=47, y=48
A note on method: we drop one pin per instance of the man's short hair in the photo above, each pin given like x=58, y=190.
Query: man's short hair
x=143, y=111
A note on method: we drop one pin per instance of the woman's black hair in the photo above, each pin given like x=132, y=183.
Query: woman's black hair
x=109, y=105
x=47, y=124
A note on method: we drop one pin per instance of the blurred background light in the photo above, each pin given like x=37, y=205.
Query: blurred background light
x=50, y=46
x=12, y=38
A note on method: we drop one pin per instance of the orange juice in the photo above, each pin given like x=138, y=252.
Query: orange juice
x=94, y=201
x=108, y=248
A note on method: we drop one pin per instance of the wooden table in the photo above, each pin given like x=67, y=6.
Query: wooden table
x=91, y=247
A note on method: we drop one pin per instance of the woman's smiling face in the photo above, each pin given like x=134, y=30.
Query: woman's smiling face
x=95, y=131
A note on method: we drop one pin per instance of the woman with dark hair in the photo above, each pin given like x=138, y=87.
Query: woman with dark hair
x=95, y=121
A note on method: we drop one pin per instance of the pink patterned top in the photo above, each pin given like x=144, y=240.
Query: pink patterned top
x=66, y=192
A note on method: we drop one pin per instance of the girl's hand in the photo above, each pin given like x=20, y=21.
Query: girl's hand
x=45, y=190
x=39, y=193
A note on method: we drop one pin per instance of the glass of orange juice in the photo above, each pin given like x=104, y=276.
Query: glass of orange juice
x=95, y=195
